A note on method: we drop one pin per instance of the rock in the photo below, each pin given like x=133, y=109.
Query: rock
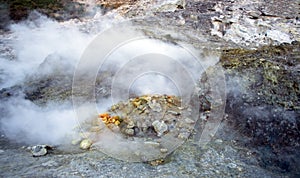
x=254, y=14
x=86, y=144
x=279, y=36
x=40, y=150
x=163, y=150
x=249, y=27
x=129, y=132
x=130, y=124
x=155, y=106
x=219, y=141
x=146, y=133
x=154, y=144
x=160, y=127
x=174, y=113
x=157, y=162
x=171, y=6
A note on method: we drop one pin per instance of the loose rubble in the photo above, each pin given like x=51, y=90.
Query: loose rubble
x=149, y=120
x=148, y=116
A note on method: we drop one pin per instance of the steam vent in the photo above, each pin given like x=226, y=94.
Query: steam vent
x=144, y=88
x=149, y=127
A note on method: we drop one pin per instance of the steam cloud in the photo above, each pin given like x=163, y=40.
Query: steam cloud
x=40, y=39
x=28, y=123
x=39, y=44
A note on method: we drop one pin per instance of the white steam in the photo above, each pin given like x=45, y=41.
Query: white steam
x=36, y=39
x=153, y=83
x=29, y=123
x=43, y=45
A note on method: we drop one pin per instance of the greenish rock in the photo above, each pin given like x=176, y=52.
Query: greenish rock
x=271, y=72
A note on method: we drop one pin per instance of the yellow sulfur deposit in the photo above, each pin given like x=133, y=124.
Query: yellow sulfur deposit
x=107, y=119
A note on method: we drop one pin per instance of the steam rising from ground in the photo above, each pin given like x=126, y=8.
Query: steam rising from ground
x=29, y=123
x=34, y=40
x=39, y=40
x=40, y=45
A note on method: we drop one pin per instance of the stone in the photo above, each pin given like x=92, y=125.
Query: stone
x=171, y=6
x=163, y=150
x=155, y=106
x=154, y=144
x=40, y=150
x=86, y=144
x=160, y=127
x=130, y=124
x=279, y=36
x=129, y=132
x=174, y=113
x=219, y=141
x=254, y=14
x=156, y=162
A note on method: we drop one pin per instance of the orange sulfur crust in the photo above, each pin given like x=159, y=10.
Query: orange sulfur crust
x=107, y=119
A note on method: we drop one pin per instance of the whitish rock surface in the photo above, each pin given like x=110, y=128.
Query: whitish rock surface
x=40, y=150
x=160, y=127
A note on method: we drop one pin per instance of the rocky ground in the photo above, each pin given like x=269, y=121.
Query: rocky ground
x=258, y=44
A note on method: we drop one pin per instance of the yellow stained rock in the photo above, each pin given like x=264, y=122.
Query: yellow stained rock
x=107, y=119
x=86, y=144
